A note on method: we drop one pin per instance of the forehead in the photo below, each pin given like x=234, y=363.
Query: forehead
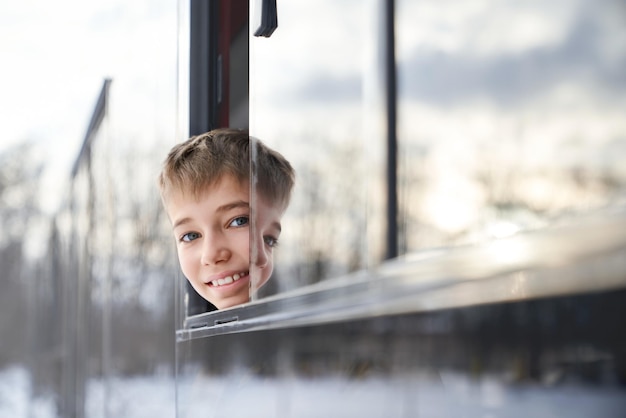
x=224, y=191
x=267, y=210
x=224, y=185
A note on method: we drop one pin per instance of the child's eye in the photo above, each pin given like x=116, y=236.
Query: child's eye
x=190, y=236
x=239, y=221
x=270, y=241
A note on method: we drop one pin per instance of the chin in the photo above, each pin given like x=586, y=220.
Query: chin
x=257, y=284
x=229, y=303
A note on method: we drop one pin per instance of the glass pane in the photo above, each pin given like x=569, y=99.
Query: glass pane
x=99, y=282
x=309, y=100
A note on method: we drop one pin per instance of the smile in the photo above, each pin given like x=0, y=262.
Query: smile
x=228, y=279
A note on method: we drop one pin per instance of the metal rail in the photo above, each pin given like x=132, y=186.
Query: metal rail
x=585, y=255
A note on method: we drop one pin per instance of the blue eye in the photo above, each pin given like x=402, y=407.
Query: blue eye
x=190, y=236
x=270, y=241
x=239, y=221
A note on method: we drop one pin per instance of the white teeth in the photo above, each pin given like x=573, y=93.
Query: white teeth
x=228, y=279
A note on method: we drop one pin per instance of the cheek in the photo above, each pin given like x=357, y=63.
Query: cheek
x=269, y=268
x=263, y=275
x=185, y=259
x=243, y=246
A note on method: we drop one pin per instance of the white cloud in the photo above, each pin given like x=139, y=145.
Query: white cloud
x=55, y=58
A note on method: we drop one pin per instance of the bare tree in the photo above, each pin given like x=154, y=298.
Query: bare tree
x=19, y=177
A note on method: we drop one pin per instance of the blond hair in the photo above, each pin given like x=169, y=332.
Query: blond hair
x=201, y=161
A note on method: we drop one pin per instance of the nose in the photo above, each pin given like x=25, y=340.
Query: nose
x=259, y=254
x=214, y=250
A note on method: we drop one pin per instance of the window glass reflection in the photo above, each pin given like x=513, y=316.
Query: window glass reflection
x=510, y=115
x=306, y=101
x=502, y=128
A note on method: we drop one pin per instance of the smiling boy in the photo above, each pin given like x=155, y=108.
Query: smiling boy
x=224, y=249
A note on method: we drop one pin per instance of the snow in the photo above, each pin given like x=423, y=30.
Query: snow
x=15, y=399
x=243, y=395
x=132, y=397
x=445, y=395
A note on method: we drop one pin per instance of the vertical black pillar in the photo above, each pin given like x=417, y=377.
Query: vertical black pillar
x=217, y=28
x=202, y=65
x=202, y=94
x=392, y=142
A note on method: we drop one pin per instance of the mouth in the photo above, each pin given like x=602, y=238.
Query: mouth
x=228, y=279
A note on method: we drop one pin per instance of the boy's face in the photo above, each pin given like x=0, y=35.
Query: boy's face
x=213, y=241
x=264, y=237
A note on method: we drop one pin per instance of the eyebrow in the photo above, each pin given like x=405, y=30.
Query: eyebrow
x=224, y=208
x=233, y=205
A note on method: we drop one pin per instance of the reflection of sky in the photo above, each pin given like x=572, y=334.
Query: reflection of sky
x=307, y=89
x=511, y=52
x=55, y=56
x=516, y=105
x=312, y=56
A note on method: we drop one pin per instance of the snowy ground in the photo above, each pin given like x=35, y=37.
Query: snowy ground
x=248, y=396
x=446, y=395
x=15, y=402
x=152, y=396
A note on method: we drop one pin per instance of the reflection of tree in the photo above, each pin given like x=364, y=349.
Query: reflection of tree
x=19, y=177
x=96, y=298
x=328, y=214
x=140, y=260
x=142, y=244
x=495, y=188
x=555, y=341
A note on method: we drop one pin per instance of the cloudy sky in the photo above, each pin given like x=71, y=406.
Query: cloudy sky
x=529, y=85
x=499, y=101
x=55, y=56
